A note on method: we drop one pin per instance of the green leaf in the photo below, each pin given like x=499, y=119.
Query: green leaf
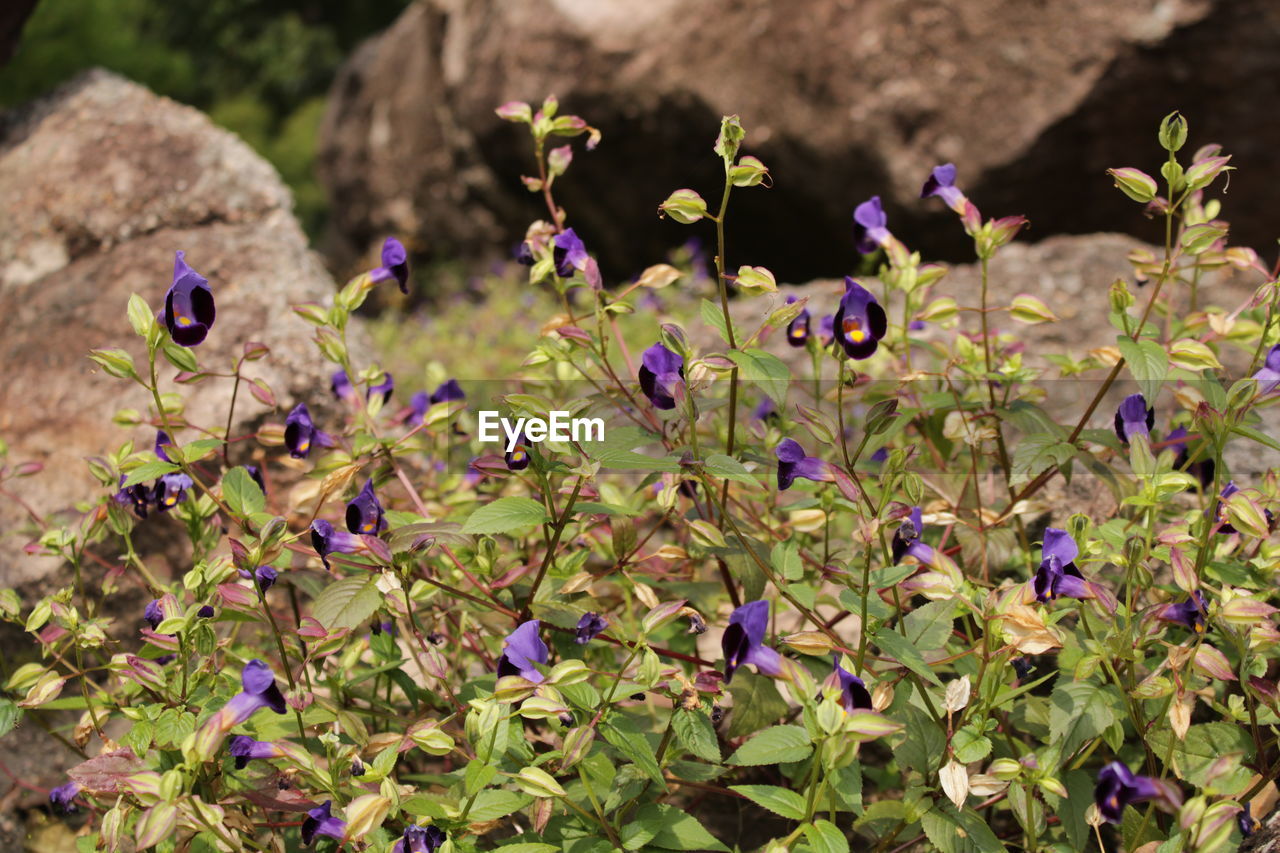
x=242, y=494
x=780, y=801
x=825, y=837
x=617, y=451
x=506, y=514
x=494, y=803
x=528, y=847
x=1072, y=810
x=904, y=652
x=674, y=829
x=1260, y=437
x=1036, y=454
x=970, y=746
x=347, y=603
x=929, y=627
x=1148, y=362
x=776, y=745
x=925, y=743
x=768, y=372
x=756, y=703
x=1204, y=746
x=696, y=734
x=952, y=831
x=173, y=726
x=148, y=471
x=624, y=736
x=10, y=713
x=713, y=316
x=1080, y=711
x=728, y=468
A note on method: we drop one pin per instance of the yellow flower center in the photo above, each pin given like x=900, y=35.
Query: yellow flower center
x=853, y=330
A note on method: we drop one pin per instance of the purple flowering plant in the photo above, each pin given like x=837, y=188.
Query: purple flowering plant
x=812, y=579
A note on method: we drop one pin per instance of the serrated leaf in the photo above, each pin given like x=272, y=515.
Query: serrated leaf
x=1080, y=711
x=242, y=495
x=1036, y=454
x=825, y=837
x=347, y=603
x=1205, y=745
x=780, y=801
x=10, y=713
x=952, y=831
x=765, y=370
x=696, y=734
x=674, y=829
x=713, y=316
x=776, y=745
x=624, y=736
x=504, y=515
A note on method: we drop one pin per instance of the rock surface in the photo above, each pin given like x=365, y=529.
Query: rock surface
x=102, y=182
x=841, y=99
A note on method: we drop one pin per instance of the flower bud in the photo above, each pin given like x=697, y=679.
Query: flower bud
x=538, y=782
x=1005, y=769
x=1173, y=131
x=684, y=206
x=1134, y=183
x=748, y=172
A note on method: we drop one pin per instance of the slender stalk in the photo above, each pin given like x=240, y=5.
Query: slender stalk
x=561, y=523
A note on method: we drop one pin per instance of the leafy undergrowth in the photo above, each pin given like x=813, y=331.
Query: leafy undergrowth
x=601, y=585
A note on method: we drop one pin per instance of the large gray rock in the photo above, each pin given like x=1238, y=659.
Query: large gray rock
x=1033, y=101
x=102, y=181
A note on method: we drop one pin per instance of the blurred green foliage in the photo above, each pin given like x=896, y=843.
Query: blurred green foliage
x=259, y=68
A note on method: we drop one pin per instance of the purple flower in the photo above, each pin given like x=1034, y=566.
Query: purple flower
x=327, y=540
x=205, y=612
x=518, y=457
x=154, y=614
x=1245, y=821
x=1190, y=613
x=661, y=376
x=765, y=410
x=1058, y=575
x=869, y=221
x=1134, y=417
x=137, y=496
x=395, y=264
x=188, y=306
x=1202, y=469
x=1118, y=787
x=521, y=650
x=448, y=391
x=792, y=463
x=1021, y=668
x=942, y=183
x=300, y=433
x=743, y=641
x=880, y=457
x=255, y=474
x=365, y=513
x=340, y=384
x=245, y=749
x=853, y=692
x=906, y=539
x=590, y=626
x=524, y=254
x=827, y=330
x=385, y=387
x=259, y=691
x=798, y=329
x=264, y=577
x=420, y=839
x=1268, y=375
x=171, y=490
x=860, y=322
x=62, y=798
x=320, y=821
x=568, y=252
x=163, y=441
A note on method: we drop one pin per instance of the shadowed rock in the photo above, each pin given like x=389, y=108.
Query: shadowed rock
x=842, y=100
x=102, y=182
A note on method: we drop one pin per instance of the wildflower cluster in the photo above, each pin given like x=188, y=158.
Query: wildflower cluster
x=806, y=594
